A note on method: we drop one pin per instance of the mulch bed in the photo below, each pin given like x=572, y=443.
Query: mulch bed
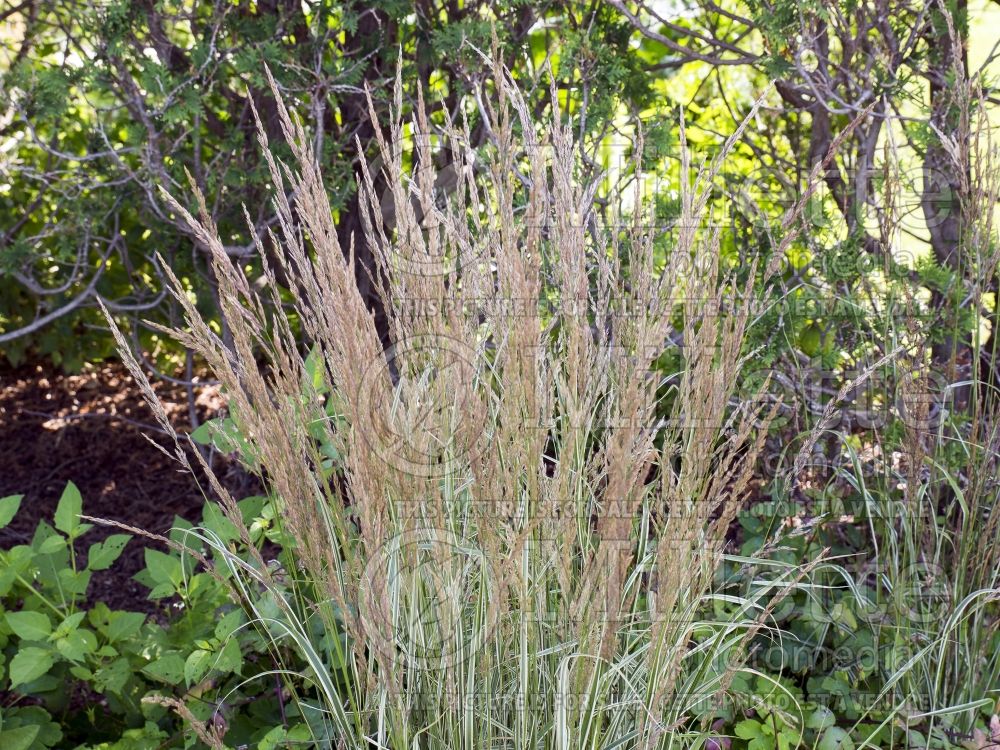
x=95, y=429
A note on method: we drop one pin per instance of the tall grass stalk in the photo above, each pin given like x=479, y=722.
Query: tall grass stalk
x=500, y=535
x=935, y=557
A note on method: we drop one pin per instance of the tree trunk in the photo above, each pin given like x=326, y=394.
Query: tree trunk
x=945, y=182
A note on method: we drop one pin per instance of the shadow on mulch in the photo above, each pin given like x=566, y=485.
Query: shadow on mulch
x=95, y=429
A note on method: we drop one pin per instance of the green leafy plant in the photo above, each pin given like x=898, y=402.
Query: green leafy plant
x=79, y=674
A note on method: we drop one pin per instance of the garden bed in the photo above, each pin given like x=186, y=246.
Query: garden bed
x=95, y=430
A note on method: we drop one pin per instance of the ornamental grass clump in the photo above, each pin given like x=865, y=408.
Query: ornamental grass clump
x=501, y=530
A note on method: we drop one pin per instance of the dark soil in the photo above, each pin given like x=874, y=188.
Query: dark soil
x=95, y=429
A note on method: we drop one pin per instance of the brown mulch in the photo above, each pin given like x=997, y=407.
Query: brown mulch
x=95, y=429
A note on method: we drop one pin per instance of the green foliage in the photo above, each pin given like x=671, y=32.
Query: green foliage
x=78, y=671
x=112, y=101
x=855, y=655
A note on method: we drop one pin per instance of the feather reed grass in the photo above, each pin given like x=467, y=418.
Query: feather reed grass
x=498, y=538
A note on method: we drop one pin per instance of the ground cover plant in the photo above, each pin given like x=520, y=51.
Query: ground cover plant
x=90, y=676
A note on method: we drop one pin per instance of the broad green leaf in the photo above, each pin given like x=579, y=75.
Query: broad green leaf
x=787, y=739
x=836, y=738
x=179, y=529
x=124, y=624
x=17, y=560
x=215, y=520
x=49, y=733
x=112, y=677
x=30, y=626
x=197, y=665
x=42, y=532
x=8, y=508
x=168, y=668
x=314, y=374
x=68, y=511
x=103, y=554
x=29, y=664
x=51, y=545
x=203, y=434
x=221, y=433
x=81, y=673
x=74, y=583
x=77, y=645
x=228, y=624
x=821, y=718
x=20, y=738
x=748, y=729
x=162, y=567
x=842, y=614
x=279, y=737
x=229, y=659
x=7, y=578
x=251, y=507
x=71, y=623
x=161, y=591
